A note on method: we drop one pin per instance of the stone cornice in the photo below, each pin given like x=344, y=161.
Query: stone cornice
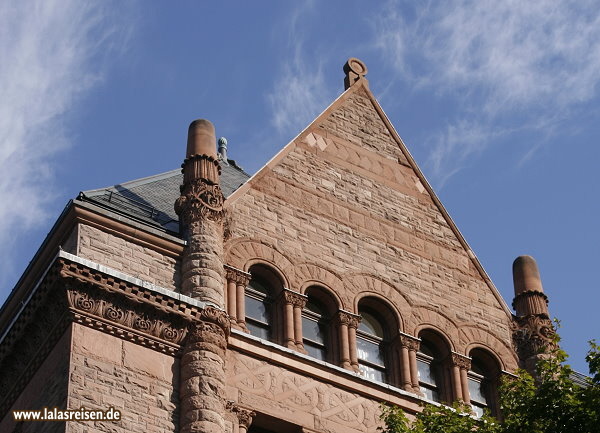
x=76, y=290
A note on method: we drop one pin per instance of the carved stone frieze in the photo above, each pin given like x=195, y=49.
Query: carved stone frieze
x=269, y=386
x=461, y=361
x=533, y=335
x=200, y=200
x=238, y=276
x=135, y=318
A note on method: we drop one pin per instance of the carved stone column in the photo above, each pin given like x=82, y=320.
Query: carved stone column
x=200, y=210
x=244, y=416
x=202, y=369
x=461, y=365
x=348, y=323
x=293, y=303
x=408, y=356
x=237, y=280
x=533, y=331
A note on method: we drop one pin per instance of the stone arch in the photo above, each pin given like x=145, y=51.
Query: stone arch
x=426, y=318
x=242, y=253
x=472, y=337
x=360, y=284
x=396, y=316
x=308, y=274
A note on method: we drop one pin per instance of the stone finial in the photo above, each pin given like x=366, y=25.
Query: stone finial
x=222, y=150
x=355, y=70
x=529, y=294
x=201, y=139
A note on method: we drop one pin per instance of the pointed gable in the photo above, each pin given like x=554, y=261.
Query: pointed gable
x=346, y=196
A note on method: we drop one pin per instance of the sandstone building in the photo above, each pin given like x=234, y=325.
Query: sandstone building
x=293, y=300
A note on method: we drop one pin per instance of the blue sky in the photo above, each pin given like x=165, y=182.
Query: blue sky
x=497, y=101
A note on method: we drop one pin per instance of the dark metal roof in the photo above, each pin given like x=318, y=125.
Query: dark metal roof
x=151, y=199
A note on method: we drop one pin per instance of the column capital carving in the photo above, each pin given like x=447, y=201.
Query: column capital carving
x=240, y=277
x=200, y=200
x=295, y=298
x=461, y=361
x=347, y=318
x=532, y=335
x=244, y=416
x=409, y=341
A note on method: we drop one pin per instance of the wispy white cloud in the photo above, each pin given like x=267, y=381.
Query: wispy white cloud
x=52, y=53
x=300, y=91
x=520, y=60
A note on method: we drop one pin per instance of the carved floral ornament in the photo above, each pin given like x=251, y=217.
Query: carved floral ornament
x=294, y=298
x=119, y=313
x=244, y=416
x=410, y=342
x=461, y=361
x=348, y=319
x=200, y=200
x=532, y=334
x=238, y=276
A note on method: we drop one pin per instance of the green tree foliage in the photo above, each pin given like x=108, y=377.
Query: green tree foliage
x=553, y=403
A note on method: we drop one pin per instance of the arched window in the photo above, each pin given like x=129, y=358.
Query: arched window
x=261, y=309
x=428, y=367
x=315, y=329
x=433, y=366
x=370, y=340
x=258, y=309
x=483, y=382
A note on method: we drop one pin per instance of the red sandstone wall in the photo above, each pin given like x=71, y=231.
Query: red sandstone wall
x=128, y=257
x=47, y=388
x=344, y=208
x=106, y=371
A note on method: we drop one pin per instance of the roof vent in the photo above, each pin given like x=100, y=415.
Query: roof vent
x=222, y=150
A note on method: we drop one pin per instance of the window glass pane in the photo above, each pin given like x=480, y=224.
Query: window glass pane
x=315, y=351
x=477, y=391
x=370, y=325
x=426, y=373
x=478, y=411
x=430, y=393
x=372, y=373
x=258, y=330
x=312, y=330
x=256, y=309
x=369, y=351
x=314, y=307
x=258, y=286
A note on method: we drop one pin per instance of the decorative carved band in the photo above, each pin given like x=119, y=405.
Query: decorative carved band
x=461, y=361
x=533, y=335
x=133, y=321
x=349, y=319
x=410, y=342
x=294, y=298
x=244, y=416
x=200, y=200
x=240, y=277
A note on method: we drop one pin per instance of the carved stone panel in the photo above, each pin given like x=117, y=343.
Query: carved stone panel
x=298, y=399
